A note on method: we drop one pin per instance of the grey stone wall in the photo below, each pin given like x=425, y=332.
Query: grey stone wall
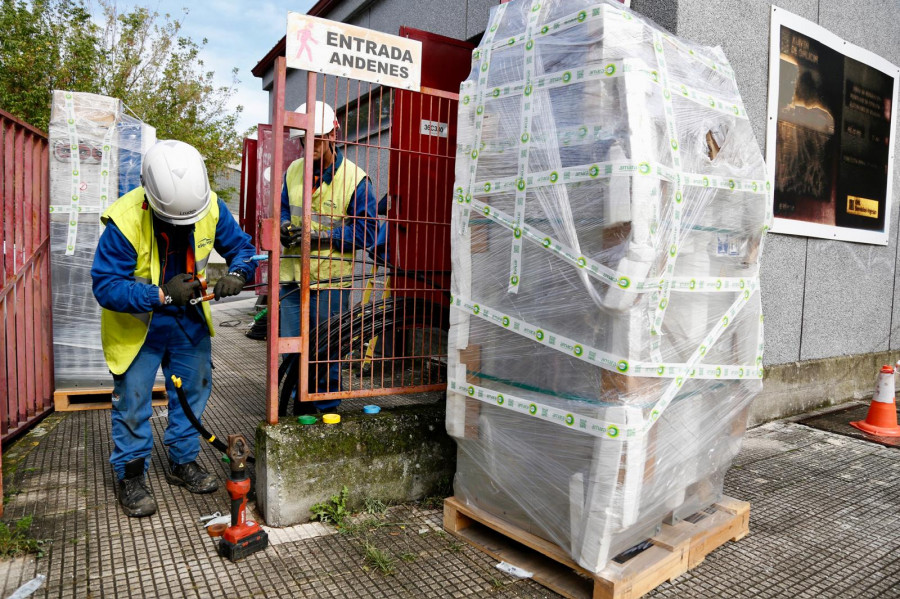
x=821, y=298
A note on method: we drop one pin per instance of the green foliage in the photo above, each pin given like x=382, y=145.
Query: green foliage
x=15, y=540
x=138, y=56
x=375, y=506
x=379, y=559
x=333, y=510
x=360, y=527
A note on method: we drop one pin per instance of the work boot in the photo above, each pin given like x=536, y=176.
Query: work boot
x=192, y=477
x=133, y=493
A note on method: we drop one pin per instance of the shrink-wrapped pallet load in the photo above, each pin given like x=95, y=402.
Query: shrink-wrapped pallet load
x=95, y=152
x=606, y=331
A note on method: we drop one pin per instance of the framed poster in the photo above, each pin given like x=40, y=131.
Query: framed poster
x=829, y=141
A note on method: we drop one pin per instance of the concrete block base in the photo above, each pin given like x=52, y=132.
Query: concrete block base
x=799, y=387
x=395, y=456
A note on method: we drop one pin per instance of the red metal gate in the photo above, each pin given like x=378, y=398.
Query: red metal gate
x=26, y=354
x=389, y=338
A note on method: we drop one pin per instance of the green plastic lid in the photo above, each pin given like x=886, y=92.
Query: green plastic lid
x=307, y=419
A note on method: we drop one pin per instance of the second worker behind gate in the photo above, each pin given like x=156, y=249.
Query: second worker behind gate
x=343, y=221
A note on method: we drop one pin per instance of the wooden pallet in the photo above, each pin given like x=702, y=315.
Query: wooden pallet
x=675, y=550
x=88, y=398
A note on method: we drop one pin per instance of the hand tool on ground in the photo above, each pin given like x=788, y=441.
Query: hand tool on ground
x=226, y=520
x=209, y=517
x=242, y=538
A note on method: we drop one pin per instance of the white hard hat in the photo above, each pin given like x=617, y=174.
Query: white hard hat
x=175, y=182
x=325, y=120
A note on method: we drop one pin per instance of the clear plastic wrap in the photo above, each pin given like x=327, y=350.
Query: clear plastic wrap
x=606, y=330
x=95, y=156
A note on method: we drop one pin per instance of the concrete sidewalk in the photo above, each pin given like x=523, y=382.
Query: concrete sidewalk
x=825, y=518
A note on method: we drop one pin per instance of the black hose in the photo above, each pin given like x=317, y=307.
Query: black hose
x=186, y=408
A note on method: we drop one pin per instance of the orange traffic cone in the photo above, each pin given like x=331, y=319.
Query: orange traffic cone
x=882, y=417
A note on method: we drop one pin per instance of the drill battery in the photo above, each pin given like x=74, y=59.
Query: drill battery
x=256, y=541
x=242, y=538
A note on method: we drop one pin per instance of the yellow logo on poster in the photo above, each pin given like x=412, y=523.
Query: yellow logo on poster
x=862, y=207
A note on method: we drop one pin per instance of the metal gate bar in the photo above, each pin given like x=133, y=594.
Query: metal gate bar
x=26, y=356
x=398, y=289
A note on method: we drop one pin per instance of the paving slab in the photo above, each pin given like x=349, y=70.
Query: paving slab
x=824, y=517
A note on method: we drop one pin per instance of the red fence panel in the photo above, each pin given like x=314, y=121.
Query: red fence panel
x=26, y=356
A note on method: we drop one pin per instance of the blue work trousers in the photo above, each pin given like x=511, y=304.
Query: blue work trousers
x=166, y=345
x=323, y=304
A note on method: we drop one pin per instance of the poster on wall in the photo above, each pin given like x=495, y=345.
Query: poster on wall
x=831, y=126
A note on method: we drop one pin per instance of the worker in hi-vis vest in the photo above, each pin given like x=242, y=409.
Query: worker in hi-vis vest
x=156, y=243
x=343, y=221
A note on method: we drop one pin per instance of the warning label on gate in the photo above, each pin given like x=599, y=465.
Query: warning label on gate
x=434, y=128
x=333, y=48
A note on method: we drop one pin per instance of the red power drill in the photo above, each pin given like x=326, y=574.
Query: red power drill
x=242, y=538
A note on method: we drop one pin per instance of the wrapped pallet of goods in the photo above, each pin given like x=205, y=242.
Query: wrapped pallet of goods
x=606, y=332
x=95, y=156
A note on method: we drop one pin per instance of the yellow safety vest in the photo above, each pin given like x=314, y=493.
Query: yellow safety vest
x=123, y=333
x=329, y=207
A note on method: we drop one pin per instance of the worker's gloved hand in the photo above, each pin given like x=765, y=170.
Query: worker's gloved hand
x=180, y=289
x=230, y=284
x=319, y=238
x=286, y=234
x=290, y=235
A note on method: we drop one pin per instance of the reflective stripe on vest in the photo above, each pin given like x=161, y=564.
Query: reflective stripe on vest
x=329, y=207
x=124, y=333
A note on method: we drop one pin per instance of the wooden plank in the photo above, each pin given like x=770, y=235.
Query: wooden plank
x=551, y=573
x=520, y=536
x=730, y=523
x=87, y=398
x=642, y=573
x=675, y=550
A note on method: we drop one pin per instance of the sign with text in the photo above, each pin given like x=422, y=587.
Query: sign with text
x=435, y=128
x=830, y=132
x=333, y=48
